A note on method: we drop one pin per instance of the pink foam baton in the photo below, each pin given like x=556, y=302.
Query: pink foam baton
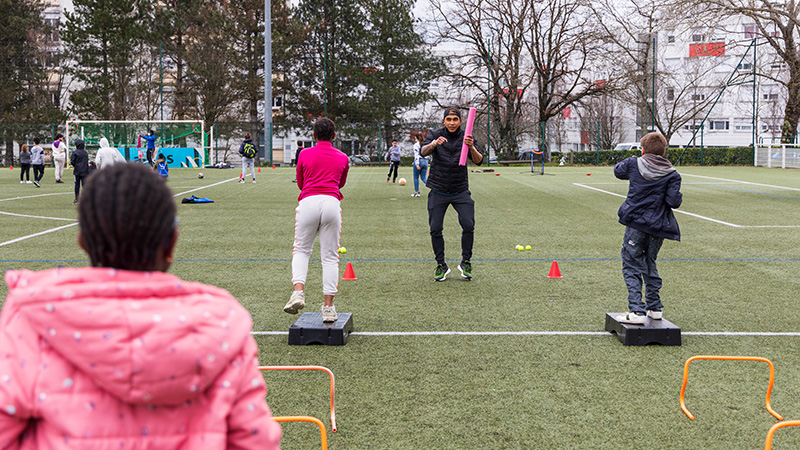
x=467, y=132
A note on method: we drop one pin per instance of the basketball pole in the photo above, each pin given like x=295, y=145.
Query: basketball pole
x=268, y=78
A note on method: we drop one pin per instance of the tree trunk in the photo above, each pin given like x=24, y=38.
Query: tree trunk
x=792, y=112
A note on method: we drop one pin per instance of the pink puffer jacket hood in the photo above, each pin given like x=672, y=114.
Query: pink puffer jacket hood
x=148, y=339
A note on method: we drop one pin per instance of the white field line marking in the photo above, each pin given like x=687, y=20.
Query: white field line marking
x=538, y=333
x=37, y=234
x=34, y=196
x=37, y=217
x=675, y=210
x=742, y=182
x=73, y=224
x=203, y=187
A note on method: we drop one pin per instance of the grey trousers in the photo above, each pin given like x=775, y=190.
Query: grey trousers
x=639, y=253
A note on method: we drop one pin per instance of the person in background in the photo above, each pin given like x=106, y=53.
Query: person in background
x=321, y=173
x=248, y=148
x=107, y=156
x=161, y=167
x=79, y=159
x=297, y=156
x=122, y=354
x=151, y=145
x=393, y=156
x=59, y=156
x=24, y=164
x=37, y=162
x=420, y=163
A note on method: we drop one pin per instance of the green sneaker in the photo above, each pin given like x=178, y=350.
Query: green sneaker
x=466, y=270
x=441, y=272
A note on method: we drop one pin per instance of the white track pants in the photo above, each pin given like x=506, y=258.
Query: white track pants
x=248, y=162
x=60, y=163
x=317, y=215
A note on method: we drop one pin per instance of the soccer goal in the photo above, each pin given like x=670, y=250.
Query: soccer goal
x=778, y=155
x=184, y=143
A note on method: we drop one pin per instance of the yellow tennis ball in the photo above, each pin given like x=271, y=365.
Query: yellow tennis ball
x=527, y=247
x=342, y=250
x=520, y=248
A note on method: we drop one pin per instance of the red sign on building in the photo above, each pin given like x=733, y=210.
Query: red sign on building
x=710, y=49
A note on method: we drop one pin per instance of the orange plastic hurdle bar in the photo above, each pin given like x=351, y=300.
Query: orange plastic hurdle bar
x=729, y=358
x=774, y=428
x=321, y=368
x=323, y=435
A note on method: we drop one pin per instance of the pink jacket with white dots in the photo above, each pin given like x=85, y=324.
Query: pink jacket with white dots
x=96, y=358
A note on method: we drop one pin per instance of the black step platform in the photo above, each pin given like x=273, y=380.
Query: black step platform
x=310, y=329
x=661, y=331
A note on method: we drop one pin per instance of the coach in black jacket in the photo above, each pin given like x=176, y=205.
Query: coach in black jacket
x=449, y=185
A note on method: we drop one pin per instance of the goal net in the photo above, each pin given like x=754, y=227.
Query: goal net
x=183, y=143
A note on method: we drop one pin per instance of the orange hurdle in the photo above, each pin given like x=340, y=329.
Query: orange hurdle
x=321, y=368
x=323, y=435
x=729, y=358
x=774, y=428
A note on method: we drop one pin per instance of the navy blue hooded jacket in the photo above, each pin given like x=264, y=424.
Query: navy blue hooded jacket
x=654, y=190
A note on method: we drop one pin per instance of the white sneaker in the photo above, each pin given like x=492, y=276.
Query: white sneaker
x=329, y=313
x=22, y=182
x=254, y=180
x=632, y=318
x=296, y=302
x=655, y=315
x=28, y=182
x=241, y=180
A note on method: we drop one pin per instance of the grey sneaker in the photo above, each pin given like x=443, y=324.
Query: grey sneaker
x=441, y=272
x=329, y=313
x=296, y=302
x=241, y=180
x=655, y=314
x=637, y=319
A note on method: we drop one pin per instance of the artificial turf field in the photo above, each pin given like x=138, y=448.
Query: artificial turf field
x=734, y=276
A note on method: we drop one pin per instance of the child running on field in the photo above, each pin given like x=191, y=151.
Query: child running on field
x=122, y=354
x=321, y=172
x=161, y=167
x=654, y=190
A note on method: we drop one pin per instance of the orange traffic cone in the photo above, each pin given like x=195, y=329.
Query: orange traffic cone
x=12, y=167
x=554, y=272
x=273, y=166
x=348, y=272
x=259, y=170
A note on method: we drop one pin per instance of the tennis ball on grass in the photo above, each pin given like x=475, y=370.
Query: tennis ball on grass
x=527, y=247
x=342, y=250
x=520, y=248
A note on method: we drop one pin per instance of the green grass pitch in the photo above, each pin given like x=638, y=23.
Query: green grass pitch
x=736, y=270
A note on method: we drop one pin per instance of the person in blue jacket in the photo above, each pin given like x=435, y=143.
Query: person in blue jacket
x=151, y=146
x=654, y=189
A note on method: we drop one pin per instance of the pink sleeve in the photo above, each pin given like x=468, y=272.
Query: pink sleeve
x=250, y=423
x=299, y=173
x=343, y=180
x=19, y=365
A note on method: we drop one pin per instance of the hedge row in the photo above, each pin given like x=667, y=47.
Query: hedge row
x=711, y=156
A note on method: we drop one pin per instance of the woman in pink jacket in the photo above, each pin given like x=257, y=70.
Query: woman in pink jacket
x=122, y=355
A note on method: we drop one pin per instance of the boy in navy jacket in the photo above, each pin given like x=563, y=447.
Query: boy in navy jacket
x=654, y=189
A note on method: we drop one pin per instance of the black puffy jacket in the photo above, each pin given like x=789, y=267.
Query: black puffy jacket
x=446, y=175
x=649, y=204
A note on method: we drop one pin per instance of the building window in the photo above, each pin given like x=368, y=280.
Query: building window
x=697, y=38
x=718, y=125
x=670, y=37
x=750, y=32
x=670, y=94
x=698, y=97
x=770, y=96
x=52, y=34
x=746, y=66
x=743, y=126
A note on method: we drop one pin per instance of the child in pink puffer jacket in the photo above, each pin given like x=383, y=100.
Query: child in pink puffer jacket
x=123, y=355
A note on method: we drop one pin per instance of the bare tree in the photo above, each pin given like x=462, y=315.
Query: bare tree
x=601, y=119
x=777, y=24
x=668, y=93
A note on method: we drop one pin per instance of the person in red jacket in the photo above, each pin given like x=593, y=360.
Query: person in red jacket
x=122, y=354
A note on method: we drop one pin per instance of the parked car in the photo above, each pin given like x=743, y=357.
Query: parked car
x=356, y=160
x=628, y=146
